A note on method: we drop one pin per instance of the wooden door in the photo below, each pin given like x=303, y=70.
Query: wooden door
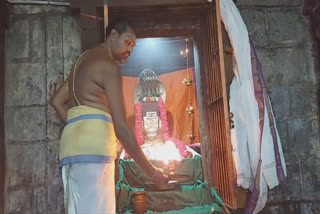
x=217, y=161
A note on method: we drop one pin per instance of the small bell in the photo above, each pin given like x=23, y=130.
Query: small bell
x=191, y=136
x=187, y=81
x=190, y=110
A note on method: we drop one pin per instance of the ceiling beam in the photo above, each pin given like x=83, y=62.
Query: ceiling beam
x=84, y=3
x=130, y=3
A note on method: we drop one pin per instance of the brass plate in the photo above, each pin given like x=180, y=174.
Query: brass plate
x=172, y=185
x=179, y=177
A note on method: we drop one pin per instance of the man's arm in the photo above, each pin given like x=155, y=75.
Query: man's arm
x=60, y=101
x=113, y=88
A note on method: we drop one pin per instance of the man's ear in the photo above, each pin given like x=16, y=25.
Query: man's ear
x=114, y=34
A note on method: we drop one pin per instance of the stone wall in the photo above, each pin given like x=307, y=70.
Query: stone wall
x=43, y=42
x=287, y=51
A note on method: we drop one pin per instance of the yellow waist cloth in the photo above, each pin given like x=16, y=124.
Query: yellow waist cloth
x=88, y=136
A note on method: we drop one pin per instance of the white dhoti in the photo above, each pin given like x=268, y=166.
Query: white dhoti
x=89, y=188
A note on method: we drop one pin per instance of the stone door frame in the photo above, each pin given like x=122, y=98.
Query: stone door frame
x=191, y=21
x=3, y=27
x=183, y=18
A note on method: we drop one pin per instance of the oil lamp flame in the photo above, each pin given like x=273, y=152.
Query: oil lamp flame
x=164, y=152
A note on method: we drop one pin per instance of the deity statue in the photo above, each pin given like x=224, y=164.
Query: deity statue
x=151, y=125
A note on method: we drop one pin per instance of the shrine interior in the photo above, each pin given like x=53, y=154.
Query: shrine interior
x=167, y=58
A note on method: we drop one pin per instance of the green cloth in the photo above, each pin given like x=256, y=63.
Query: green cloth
x=194, y=196
x=130, y=173
x=211, y=208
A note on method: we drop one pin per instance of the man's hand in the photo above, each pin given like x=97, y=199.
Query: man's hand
x=159, y=177
x=60, y=101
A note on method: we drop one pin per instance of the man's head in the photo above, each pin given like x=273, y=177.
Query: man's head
x=122, y=38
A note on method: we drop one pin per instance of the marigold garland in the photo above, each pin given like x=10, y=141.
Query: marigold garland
x=139, y=123
x=165, y=130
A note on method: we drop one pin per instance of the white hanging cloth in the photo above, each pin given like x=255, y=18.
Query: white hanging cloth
x=257, y=150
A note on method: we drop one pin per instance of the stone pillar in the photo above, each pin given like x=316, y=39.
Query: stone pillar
x=287, y=52
x=43, y=43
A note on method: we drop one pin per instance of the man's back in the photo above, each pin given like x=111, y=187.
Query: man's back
x=88, y=76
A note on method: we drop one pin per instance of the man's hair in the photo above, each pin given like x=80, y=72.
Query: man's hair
x=120, y=26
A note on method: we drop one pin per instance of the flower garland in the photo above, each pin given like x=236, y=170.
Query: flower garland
x=165, y=131
x=139, y=123
x=164, y=120
x=138, y=127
